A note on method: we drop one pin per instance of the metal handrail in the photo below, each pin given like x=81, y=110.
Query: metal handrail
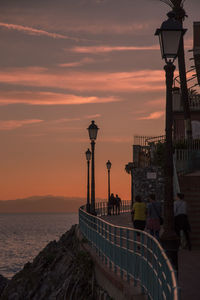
x=134, y=255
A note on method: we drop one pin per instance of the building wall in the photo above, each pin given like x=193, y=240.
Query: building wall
x=148, y=181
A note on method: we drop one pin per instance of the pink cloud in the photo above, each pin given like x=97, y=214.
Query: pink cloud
x=13, y=124
x=143, y=80
x=49, y=98
x=82, y=62
x=105, y=49
x=93, y=116
x=153, y=116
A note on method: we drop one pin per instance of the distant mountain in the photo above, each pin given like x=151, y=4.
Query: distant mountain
x=44, y=204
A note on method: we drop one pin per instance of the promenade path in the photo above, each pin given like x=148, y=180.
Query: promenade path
x=188, y=261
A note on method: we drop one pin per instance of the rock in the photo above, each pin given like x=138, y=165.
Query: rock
x=62, y=270
x=3, y=283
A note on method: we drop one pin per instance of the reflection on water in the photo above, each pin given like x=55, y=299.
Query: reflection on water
x=23, y=236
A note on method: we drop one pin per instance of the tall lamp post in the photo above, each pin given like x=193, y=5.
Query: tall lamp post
x=170, y=34
x=108, y=165
x=88, y=157
x=92, y=130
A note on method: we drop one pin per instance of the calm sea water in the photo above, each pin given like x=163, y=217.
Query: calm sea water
x=23, y=236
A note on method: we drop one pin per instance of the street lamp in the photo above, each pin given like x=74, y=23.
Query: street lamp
x=108, y=165
x=92, y=130
x=88, y=157
x=170, y=34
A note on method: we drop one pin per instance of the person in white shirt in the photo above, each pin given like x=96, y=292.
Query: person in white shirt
x=181, y=219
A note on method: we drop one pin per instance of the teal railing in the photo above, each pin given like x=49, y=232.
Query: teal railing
x=134, y=255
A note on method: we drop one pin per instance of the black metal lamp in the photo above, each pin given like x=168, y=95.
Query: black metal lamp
x=88, y=154
x=170, y=34
x=92, y=130
x=108, y=165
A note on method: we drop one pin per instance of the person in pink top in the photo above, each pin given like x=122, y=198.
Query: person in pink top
x=153, y=216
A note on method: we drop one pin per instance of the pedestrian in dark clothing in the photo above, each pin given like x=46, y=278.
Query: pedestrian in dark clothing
x=181, y=219
x=112, y=203
x=109, y=207
x=118, y=204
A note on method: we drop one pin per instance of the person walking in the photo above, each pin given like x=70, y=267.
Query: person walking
x=118, y=204
x=139, y=212
x=181, y=222
x=153, y=216
x=109, y=207
x=112, y=203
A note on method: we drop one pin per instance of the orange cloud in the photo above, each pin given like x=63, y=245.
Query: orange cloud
x=153, y=116
x=50, y=98
x=13, y=124
x=143, y=80
x=105, y=49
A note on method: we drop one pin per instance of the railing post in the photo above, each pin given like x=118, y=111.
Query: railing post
x=121, y=258
x=127, y=256
x=135, y=250
x=142, y=265
x=102, y=256
x=115, y=247
x=110, y=247
x=106, y=236
x=97, y=236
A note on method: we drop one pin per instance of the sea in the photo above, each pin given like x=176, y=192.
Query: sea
x=23, y=236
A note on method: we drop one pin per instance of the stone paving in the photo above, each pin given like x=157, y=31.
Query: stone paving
x=189, y=263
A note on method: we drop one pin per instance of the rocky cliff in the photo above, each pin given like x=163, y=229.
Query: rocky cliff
x=62, y=270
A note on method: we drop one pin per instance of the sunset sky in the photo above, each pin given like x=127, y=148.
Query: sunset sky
x=64, y=63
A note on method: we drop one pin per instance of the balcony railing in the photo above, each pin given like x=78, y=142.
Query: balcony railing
x=186, y=152
x=194, y=102
x=134, y=255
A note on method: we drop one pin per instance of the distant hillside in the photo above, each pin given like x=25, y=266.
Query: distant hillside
x=48, y=204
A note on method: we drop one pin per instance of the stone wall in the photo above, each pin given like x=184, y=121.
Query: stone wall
x=147, y=181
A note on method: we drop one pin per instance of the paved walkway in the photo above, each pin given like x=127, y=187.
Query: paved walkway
x=189, y=263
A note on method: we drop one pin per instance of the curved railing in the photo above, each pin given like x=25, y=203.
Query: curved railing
x=134, y=255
